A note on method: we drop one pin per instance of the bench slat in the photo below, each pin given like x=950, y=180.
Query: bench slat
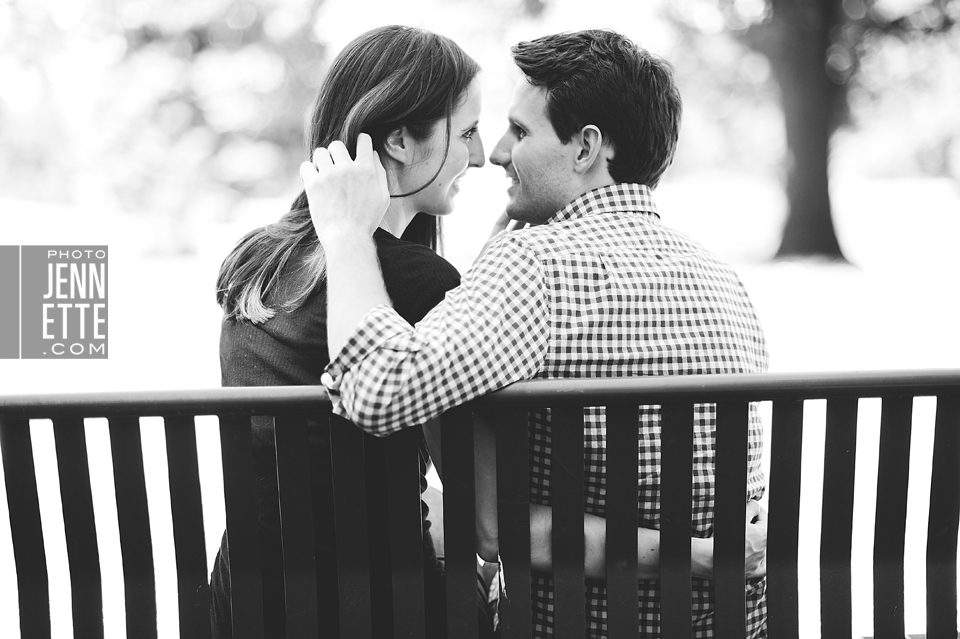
x=186, y=508
x=944, y=521
x=406, y=532
x=513, y=515
x=621, y=510
x=350, y=519
x=299, y=554
x=459, y=520
x=378, y=507
x=567, y=490
x=893, y=471
x=676, y=483
x=783, y=532
x=133, y=518
x=26, y=531
x=324, y=522
x=732, y=431
x=243, y=534
x=840, y=454
x=79, y=525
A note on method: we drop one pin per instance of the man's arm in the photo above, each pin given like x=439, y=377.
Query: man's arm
x=347, y=200
x=385, y=374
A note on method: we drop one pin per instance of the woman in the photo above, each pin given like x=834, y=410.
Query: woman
x=416, y=94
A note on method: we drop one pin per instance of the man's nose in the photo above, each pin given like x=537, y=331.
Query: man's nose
x=501, y=153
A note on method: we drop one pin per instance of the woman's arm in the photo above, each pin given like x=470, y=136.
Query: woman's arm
x=594, y=540
x=485, y=475
x=594, y=527
x=485, y=486
x=648, y=546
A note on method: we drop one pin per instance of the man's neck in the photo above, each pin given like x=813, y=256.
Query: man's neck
x=594, y=182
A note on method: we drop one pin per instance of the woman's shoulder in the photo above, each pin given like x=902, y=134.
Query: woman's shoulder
x=416, y=278
x=407, y=259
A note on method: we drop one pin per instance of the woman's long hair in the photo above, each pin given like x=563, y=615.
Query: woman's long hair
x=387, y=78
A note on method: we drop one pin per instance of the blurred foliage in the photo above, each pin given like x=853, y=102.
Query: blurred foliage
x=895, y=65
x=174, y=107
x=201, y=103
x=185, y=109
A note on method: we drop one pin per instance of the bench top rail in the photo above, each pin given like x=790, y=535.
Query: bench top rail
x=540, y=392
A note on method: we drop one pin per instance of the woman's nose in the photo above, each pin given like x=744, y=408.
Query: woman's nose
x=477, y=158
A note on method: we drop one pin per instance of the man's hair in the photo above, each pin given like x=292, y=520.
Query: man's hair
x=600, y=77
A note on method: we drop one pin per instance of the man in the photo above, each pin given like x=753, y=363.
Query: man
x=596, y=287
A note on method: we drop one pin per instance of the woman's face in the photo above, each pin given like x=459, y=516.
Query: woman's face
x=464, y=149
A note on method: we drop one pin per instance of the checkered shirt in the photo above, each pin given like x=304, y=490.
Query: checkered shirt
x=601, y=290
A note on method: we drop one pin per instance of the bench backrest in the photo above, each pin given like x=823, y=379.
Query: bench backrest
x=507, y=409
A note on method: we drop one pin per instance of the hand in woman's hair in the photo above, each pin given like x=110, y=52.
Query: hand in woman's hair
x=346, y=196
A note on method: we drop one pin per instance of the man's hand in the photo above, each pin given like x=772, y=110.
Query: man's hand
x=346, y=196
x=347, y=200
x=755, y=551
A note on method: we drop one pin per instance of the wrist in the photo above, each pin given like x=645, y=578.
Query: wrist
x=344, y=240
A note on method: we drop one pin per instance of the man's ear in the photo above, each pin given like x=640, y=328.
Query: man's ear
x=397, y=145
x=591, y=148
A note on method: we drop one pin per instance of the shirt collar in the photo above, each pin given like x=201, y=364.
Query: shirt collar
x=613, y=197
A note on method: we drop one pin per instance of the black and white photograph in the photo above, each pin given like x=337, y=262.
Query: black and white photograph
x=359, y=318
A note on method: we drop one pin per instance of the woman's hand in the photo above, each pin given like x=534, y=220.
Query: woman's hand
x=504, y=224
x=755, y=546
x=346, y=196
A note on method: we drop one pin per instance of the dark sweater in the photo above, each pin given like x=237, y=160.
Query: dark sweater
x=291, y=349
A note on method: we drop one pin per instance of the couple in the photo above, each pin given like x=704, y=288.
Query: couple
x=595, y=287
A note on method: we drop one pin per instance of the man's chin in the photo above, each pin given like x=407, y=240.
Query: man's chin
x=518, y=213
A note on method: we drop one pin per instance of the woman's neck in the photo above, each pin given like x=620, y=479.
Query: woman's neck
x=397, y=218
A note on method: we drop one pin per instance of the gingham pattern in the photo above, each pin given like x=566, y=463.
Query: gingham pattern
x=601, y=290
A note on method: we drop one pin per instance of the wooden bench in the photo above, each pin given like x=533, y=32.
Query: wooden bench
x=507, y=410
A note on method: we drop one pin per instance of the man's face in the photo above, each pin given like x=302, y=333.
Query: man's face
x=538, y=164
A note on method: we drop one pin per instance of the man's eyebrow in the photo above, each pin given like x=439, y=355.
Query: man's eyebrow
x=516, y=122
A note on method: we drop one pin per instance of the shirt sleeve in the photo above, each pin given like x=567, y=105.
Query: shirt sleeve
x=487, y=333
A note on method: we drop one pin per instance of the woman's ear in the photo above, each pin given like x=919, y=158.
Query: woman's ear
x=397, y=145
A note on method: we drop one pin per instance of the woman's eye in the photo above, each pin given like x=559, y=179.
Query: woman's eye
x=468, y=135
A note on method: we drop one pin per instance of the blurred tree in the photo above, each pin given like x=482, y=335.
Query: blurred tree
x=217, y=111
x=32, y=159
x=167, y=107
x=815, y=48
